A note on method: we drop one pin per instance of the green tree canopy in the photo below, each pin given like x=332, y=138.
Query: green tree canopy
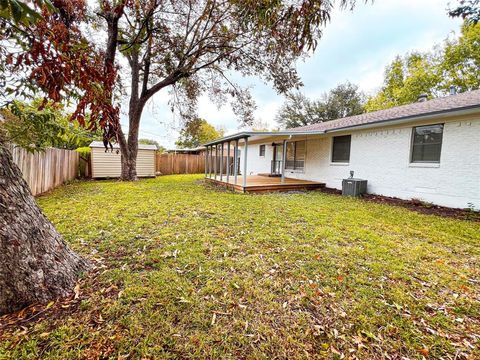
x=149, y=142
x=460, y=61
x=298, y=110
x=468, y=10
x=33, y=129
x=197, y=132
x=455, y=63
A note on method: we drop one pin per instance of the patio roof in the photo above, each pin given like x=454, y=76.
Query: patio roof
x=247, y=134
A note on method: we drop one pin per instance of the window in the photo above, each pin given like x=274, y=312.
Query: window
x=262, y=150
x=295, y=155
x=341, y=148
x=427, y=143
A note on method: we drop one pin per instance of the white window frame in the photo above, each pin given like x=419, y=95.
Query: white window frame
x=260, y=150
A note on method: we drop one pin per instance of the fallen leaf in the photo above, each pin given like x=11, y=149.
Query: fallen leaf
x=76, y=290
x=50, y=304
x=424, y=351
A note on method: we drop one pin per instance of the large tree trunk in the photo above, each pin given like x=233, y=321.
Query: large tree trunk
x=129, y=147
x=129, y=167
x=129, y=151
x=36, y=265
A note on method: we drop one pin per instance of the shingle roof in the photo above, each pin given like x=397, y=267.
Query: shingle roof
x=439, y=105
x=99, y=144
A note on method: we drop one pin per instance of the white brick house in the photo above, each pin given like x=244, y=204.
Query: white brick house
x=428, y=150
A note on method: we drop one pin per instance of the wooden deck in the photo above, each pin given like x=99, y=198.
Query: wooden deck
x=256, y=184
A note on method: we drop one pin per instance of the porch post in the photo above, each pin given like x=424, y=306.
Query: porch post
x=228, y=160
x=216, y=158
x=221, y=161
x=235, y=161
x=210, y=164
x=206, y=160
x=245, y=164
x=284, y=159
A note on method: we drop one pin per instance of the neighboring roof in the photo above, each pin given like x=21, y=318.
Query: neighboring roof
x=99, y=144
x=199, y=148
x=467, y=101
x=462, y=101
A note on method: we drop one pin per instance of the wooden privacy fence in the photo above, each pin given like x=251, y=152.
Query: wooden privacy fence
x=168, y=164
x=46, y=170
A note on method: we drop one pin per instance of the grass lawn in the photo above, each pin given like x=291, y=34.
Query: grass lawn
x=186, y=271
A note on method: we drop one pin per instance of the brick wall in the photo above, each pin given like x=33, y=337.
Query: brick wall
x=382, y=156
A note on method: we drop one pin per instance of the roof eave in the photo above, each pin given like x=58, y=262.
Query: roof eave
x=100, y=145
x=405, y=119
x=441, y=113
x=247, y=134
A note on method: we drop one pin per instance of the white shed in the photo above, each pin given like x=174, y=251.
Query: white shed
x=108, y=165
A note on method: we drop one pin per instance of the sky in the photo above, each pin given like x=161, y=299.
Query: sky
x=356, y=46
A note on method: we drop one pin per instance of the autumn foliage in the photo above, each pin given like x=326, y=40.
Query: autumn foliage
x=58, y=60
x=190, y=47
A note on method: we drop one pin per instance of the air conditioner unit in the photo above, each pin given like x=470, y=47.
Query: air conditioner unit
x=354, y=187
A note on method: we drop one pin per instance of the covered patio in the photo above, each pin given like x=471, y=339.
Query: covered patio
x=226, y=164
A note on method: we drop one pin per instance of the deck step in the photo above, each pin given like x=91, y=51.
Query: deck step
x=270, y=175
x=259, y=184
